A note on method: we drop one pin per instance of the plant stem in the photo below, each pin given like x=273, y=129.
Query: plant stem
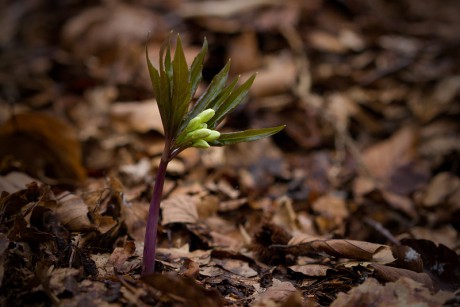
x=148, y=266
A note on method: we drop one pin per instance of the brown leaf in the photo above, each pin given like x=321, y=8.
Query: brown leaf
x=183, y=289
x=179, y=209
x=140, y=117
x=45, y=147
x=440, y=262
x=121, y=254
x=383, y=159
x=333, y=209
x=310, y=269
x=174, y=255
x=440, y=188
x=71, y=211
x=404, y=292
x=388, y=273
x=134, y=215
x=15, y=181
x=237, y=267
x=278, y=292
x=351, y=249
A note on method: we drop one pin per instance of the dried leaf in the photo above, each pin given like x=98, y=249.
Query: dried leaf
x=351, y=249
x=278, y=292
x=45, y=146
x=71, y=211
x=388, y=273
x=404, y=292
x=185, y=289
x=237, y=267
x=138, y=117
x=179, y=209
x=440, y=188
x=310, y=269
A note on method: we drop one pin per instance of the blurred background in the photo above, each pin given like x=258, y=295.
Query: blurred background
x=369, y=91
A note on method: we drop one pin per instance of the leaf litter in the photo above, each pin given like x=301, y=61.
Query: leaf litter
x=356, y=202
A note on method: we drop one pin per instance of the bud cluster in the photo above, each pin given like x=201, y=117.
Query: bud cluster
x=197, y=133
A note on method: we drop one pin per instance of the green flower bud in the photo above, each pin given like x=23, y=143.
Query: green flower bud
x=193, y=124
x=200, y=144
x=214, y=135
x=206, y=115
x=198, y=134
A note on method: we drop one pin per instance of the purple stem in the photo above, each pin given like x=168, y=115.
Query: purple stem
x=150, y=241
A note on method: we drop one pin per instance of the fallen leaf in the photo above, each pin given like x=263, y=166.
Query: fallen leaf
x=45, y=147
x=140, y=117
x=237, y=267
x=179, y=209
x=404, y=292
x=352, y=249
x=310, y=269
x=278, y=292
x=15, y=181
x=183, y=288
x=440, y=188
x=71, y=211
x=388, y=273
x=121, y=254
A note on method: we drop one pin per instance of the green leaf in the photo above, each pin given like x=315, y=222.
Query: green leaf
x=213, y=90
x=155, y=79
x=197, y=68
x=233, y=100
x=181, y=87
x=245, y=136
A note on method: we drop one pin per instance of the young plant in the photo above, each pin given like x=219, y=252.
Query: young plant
x=174, y=85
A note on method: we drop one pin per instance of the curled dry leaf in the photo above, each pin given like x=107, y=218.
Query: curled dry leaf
x=351, y=249
x=121, y=254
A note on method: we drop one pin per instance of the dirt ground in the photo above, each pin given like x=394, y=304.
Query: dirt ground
x=355, y=203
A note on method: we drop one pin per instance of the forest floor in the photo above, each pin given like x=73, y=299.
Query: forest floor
x=355, y=202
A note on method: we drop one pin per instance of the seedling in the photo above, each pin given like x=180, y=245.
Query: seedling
x=186, y=125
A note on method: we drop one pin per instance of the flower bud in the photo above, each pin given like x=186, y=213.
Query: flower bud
x=198, y=134
x=201, y=144
x=206, y=115
x=214, y=135
x=193, y=124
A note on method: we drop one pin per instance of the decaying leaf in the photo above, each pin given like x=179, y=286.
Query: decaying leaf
x=179, y=209
x=71, y=211
x=360, y=250
x=46, y=147
x=404, y=292
x=184, y=289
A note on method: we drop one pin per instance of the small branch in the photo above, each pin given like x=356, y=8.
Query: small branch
x=148, y=266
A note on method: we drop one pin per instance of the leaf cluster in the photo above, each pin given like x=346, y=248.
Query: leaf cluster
x=175, y=84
